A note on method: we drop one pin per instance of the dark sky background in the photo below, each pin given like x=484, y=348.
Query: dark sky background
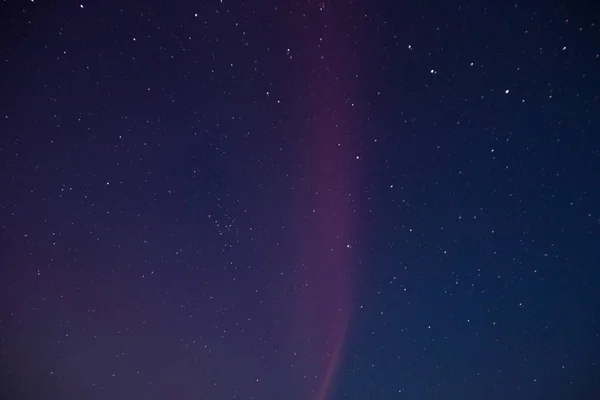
x=335, y=200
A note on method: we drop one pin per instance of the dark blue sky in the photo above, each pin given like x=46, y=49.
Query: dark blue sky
x=335, y=200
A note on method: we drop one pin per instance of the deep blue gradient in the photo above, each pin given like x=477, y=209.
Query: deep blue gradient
x=207, y=200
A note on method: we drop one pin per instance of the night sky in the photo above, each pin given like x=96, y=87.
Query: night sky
x=299, y=200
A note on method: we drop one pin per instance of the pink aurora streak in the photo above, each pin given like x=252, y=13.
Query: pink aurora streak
x=325, y=78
